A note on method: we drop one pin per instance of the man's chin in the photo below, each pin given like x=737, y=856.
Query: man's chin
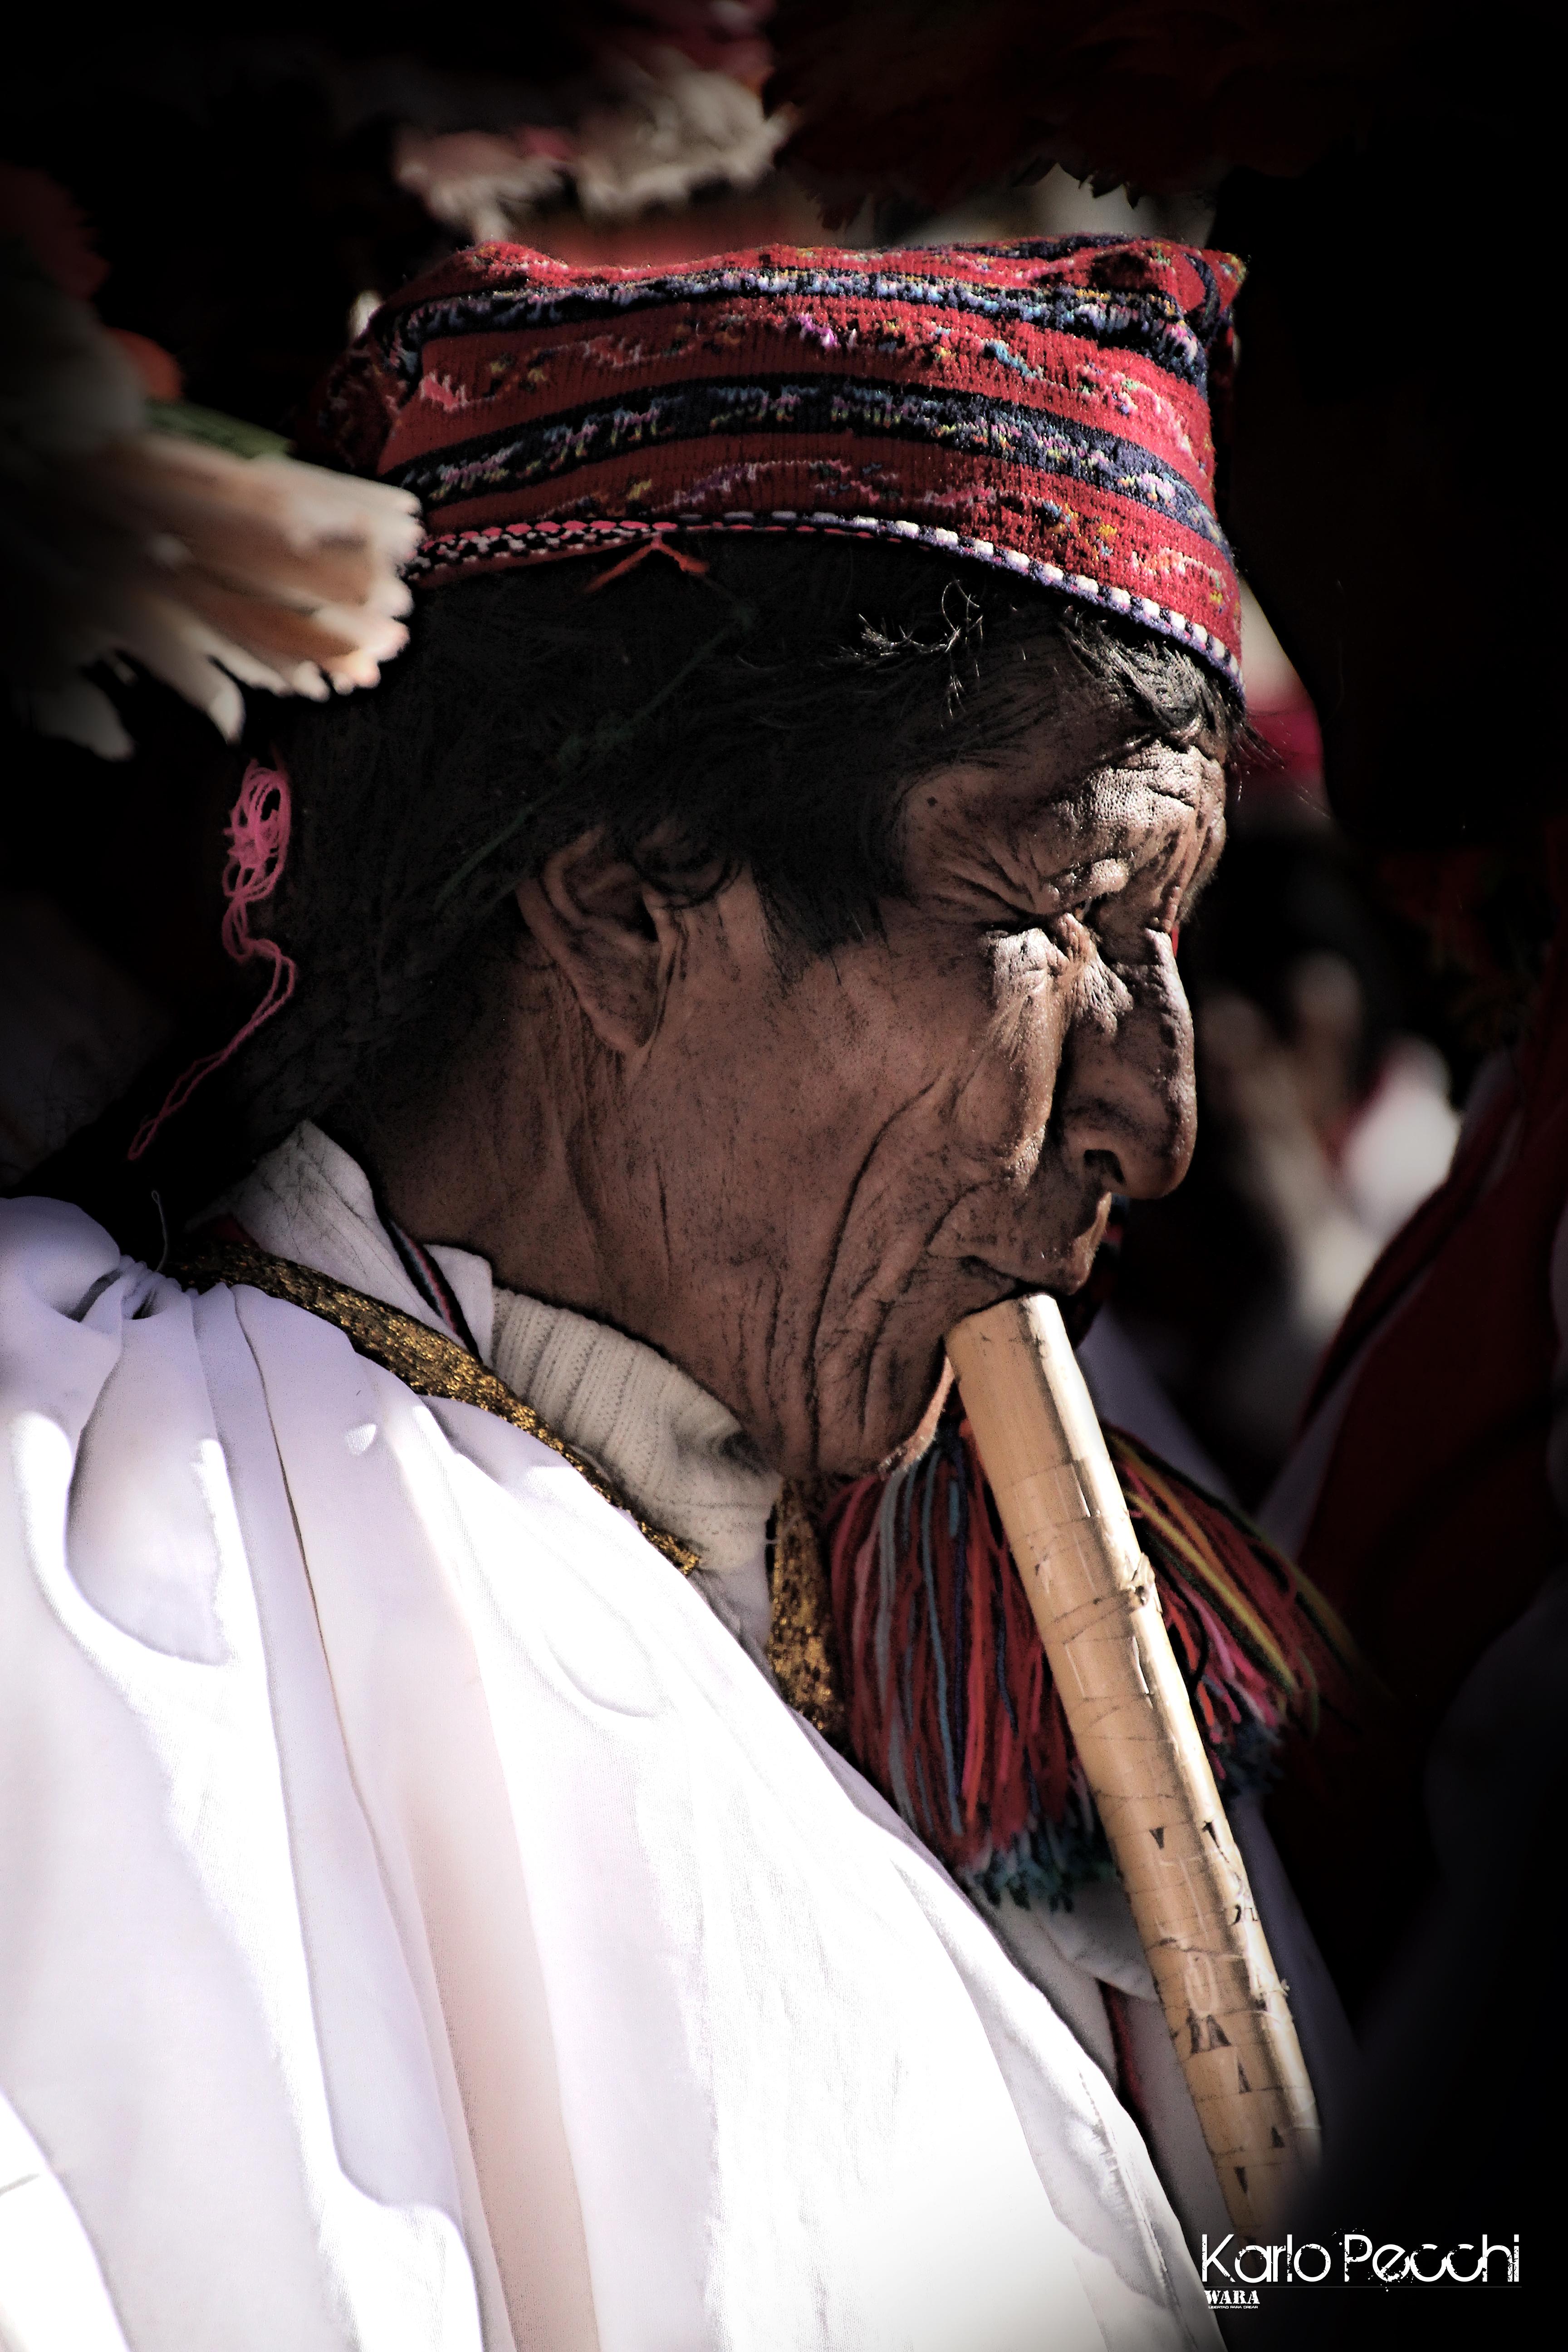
x=910, y=1449
x=1066, y=1279
x=893, y=1433
x=909, y=1418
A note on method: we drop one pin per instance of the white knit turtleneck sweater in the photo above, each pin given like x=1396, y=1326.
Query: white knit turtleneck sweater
x=672, y=1449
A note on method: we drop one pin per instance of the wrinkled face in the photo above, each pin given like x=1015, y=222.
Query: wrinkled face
x=850, y=1160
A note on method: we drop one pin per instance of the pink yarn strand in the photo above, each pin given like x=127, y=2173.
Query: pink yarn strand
x=259, y=827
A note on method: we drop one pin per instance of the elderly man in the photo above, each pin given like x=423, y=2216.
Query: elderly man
x=708, y=973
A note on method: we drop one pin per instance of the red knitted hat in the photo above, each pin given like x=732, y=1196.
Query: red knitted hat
x=1041, y=408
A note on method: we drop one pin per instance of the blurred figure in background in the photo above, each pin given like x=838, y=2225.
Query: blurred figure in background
x=1324, y=1120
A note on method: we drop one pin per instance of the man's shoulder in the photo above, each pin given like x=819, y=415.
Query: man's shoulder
x=63, y=1306
x=59, y=1326
x=54, y=1252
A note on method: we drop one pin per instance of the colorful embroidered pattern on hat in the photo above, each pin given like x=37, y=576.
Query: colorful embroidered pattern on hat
x=1044, y=408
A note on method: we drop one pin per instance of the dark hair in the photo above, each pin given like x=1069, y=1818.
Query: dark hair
x=765, y=716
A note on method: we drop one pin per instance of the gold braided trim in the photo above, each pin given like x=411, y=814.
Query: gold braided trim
x=803, y=1646
x=424, y=1361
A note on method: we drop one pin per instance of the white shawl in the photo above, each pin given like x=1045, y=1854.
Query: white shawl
x=422, y=1926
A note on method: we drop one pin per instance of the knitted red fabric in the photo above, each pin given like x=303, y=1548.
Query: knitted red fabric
x=1044, y=408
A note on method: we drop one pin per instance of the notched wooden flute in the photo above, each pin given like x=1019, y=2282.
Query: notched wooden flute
x=1095, y=1601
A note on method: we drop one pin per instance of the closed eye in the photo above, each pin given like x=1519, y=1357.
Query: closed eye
x=1082, y=909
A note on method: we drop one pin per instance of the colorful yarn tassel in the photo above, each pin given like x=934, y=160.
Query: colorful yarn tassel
x=950, y=1708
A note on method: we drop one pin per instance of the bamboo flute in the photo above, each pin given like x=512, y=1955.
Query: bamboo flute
x=1094, y=1600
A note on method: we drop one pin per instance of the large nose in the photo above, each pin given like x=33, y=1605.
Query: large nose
x=1127, y=1100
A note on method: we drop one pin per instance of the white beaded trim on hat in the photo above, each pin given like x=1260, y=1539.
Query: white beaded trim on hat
x=446, y=552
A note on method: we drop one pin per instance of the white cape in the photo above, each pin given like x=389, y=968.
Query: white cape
x=422, y=1926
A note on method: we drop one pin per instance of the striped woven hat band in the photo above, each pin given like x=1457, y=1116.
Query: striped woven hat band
x=1042, y=407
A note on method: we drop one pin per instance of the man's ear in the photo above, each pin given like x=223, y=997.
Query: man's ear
x=613, y=937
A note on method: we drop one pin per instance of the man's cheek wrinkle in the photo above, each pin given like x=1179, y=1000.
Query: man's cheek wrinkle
x=815, y=1334
x=914, y=1245
x=1002, y=1105
x=1025, y=1022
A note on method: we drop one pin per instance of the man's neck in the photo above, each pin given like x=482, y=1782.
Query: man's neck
x=675, y=1449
